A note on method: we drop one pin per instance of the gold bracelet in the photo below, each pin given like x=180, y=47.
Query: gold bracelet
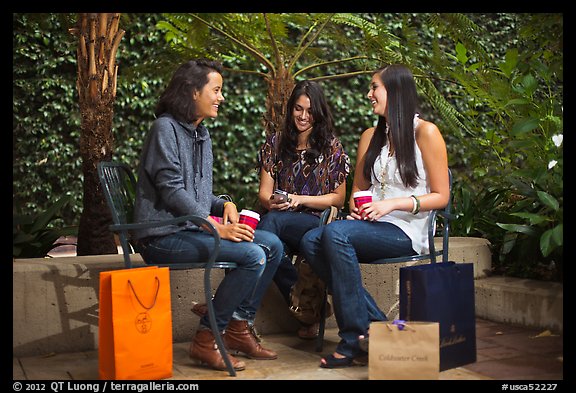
x=225, y=203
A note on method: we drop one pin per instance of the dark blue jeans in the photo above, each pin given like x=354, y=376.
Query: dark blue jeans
x=241, y=290
x=290, y=227
x=333, y=252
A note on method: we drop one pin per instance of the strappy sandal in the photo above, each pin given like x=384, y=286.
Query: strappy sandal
x=331, y=361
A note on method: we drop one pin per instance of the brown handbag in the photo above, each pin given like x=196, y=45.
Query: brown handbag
x=307, y=294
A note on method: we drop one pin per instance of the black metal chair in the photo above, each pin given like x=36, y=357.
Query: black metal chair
x=119, y=187
x=446, y=216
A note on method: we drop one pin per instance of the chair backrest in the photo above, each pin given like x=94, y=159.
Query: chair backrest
x=119, y=187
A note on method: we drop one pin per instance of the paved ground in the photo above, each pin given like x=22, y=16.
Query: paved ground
x=504, y=352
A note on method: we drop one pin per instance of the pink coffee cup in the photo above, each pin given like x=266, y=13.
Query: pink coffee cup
x=362, y=197
x=249, y=217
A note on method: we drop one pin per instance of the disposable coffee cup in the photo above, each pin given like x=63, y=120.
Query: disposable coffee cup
x=362, y=197
x=249, y=217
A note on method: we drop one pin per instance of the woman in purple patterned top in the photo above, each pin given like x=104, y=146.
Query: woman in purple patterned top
x=307, y=161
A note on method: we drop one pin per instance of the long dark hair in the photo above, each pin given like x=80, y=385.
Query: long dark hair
x=402, y=104
x=190, y=77
x=323, y=127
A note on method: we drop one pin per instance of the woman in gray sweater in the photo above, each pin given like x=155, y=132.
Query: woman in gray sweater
x=175, y=179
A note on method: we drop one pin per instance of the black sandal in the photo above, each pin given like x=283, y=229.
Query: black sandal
x=333, y=362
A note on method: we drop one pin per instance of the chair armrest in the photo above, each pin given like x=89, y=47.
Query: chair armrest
x=226, y=197
x=447, y=216
x=196, y=220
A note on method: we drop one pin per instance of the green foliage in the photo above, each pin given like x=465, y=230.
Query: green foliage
x=45, y=116
x=33, y=235
x=514, y=193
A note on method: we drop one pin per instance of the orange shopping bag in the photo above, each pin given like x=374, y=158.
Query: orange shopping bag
x=135, y=324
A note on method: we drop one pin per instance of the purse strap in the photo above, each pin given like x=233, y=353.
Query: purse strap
x=155, y=295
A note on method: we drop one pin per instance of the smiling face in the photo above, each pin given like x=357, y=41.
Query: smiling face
x=301, y=114
x=378, y=96
x=209, y=98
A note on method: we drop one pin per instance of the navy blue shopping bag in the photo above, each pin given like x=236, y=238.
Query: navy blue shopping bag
x=443, y=293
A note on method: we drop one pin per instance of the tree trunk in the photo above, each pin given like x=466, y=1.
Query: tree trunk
x=98, y=40
x=279, y=90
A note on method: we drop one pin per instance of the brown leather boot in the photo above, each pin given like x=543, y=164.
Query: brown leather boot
x=203, y=349
x=201, y=309
x=239, y=338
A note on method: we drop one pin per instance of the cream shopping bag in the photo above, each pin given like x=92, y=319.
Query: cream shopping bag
x=404, y=350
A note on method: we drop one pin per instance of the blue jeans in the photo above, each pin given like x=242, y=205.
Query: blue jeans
x=290, y=227
x=240, y=293
x=333, y=252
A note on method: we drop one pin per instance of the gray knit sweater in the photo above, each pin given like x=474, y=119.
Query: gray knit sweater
x=174, y=176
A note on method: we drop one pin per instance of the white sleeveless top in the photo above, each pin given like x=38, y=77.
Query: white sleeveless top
x=387, y=183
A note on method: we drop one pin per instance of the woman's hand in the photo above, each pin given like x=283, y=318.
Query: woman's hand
x=372, y=211
x=354, y=214
x=296, y=202
x=273, y=204
x=236, y=232
x=230, y=213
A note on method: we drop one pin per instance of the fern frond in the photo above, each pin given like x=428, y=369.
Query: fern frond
x=376, y=39
x=449, y=114
x=462, y=29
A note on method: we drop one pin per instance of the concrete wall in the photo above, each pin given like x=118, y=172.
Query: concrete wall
x=521, y=302
x=55, y=300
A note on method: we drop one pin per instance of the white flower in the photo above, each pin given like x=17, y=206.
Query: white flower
x=552, y=164
x=557, y=139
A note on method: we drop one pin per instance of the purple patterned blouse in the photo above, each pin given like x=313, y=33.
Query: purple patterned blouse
x=300, y=178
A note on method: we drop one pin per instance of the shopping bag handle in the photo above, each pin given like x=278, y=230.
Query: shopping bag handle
x=155, y=296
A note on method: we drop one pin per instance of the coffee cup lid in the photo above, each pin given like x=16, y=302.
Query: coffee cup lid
x=362, y=193
x=250, y=213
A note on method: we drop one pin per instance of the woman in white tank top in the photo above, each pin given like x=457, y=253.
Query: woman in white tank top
x=403, y=162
